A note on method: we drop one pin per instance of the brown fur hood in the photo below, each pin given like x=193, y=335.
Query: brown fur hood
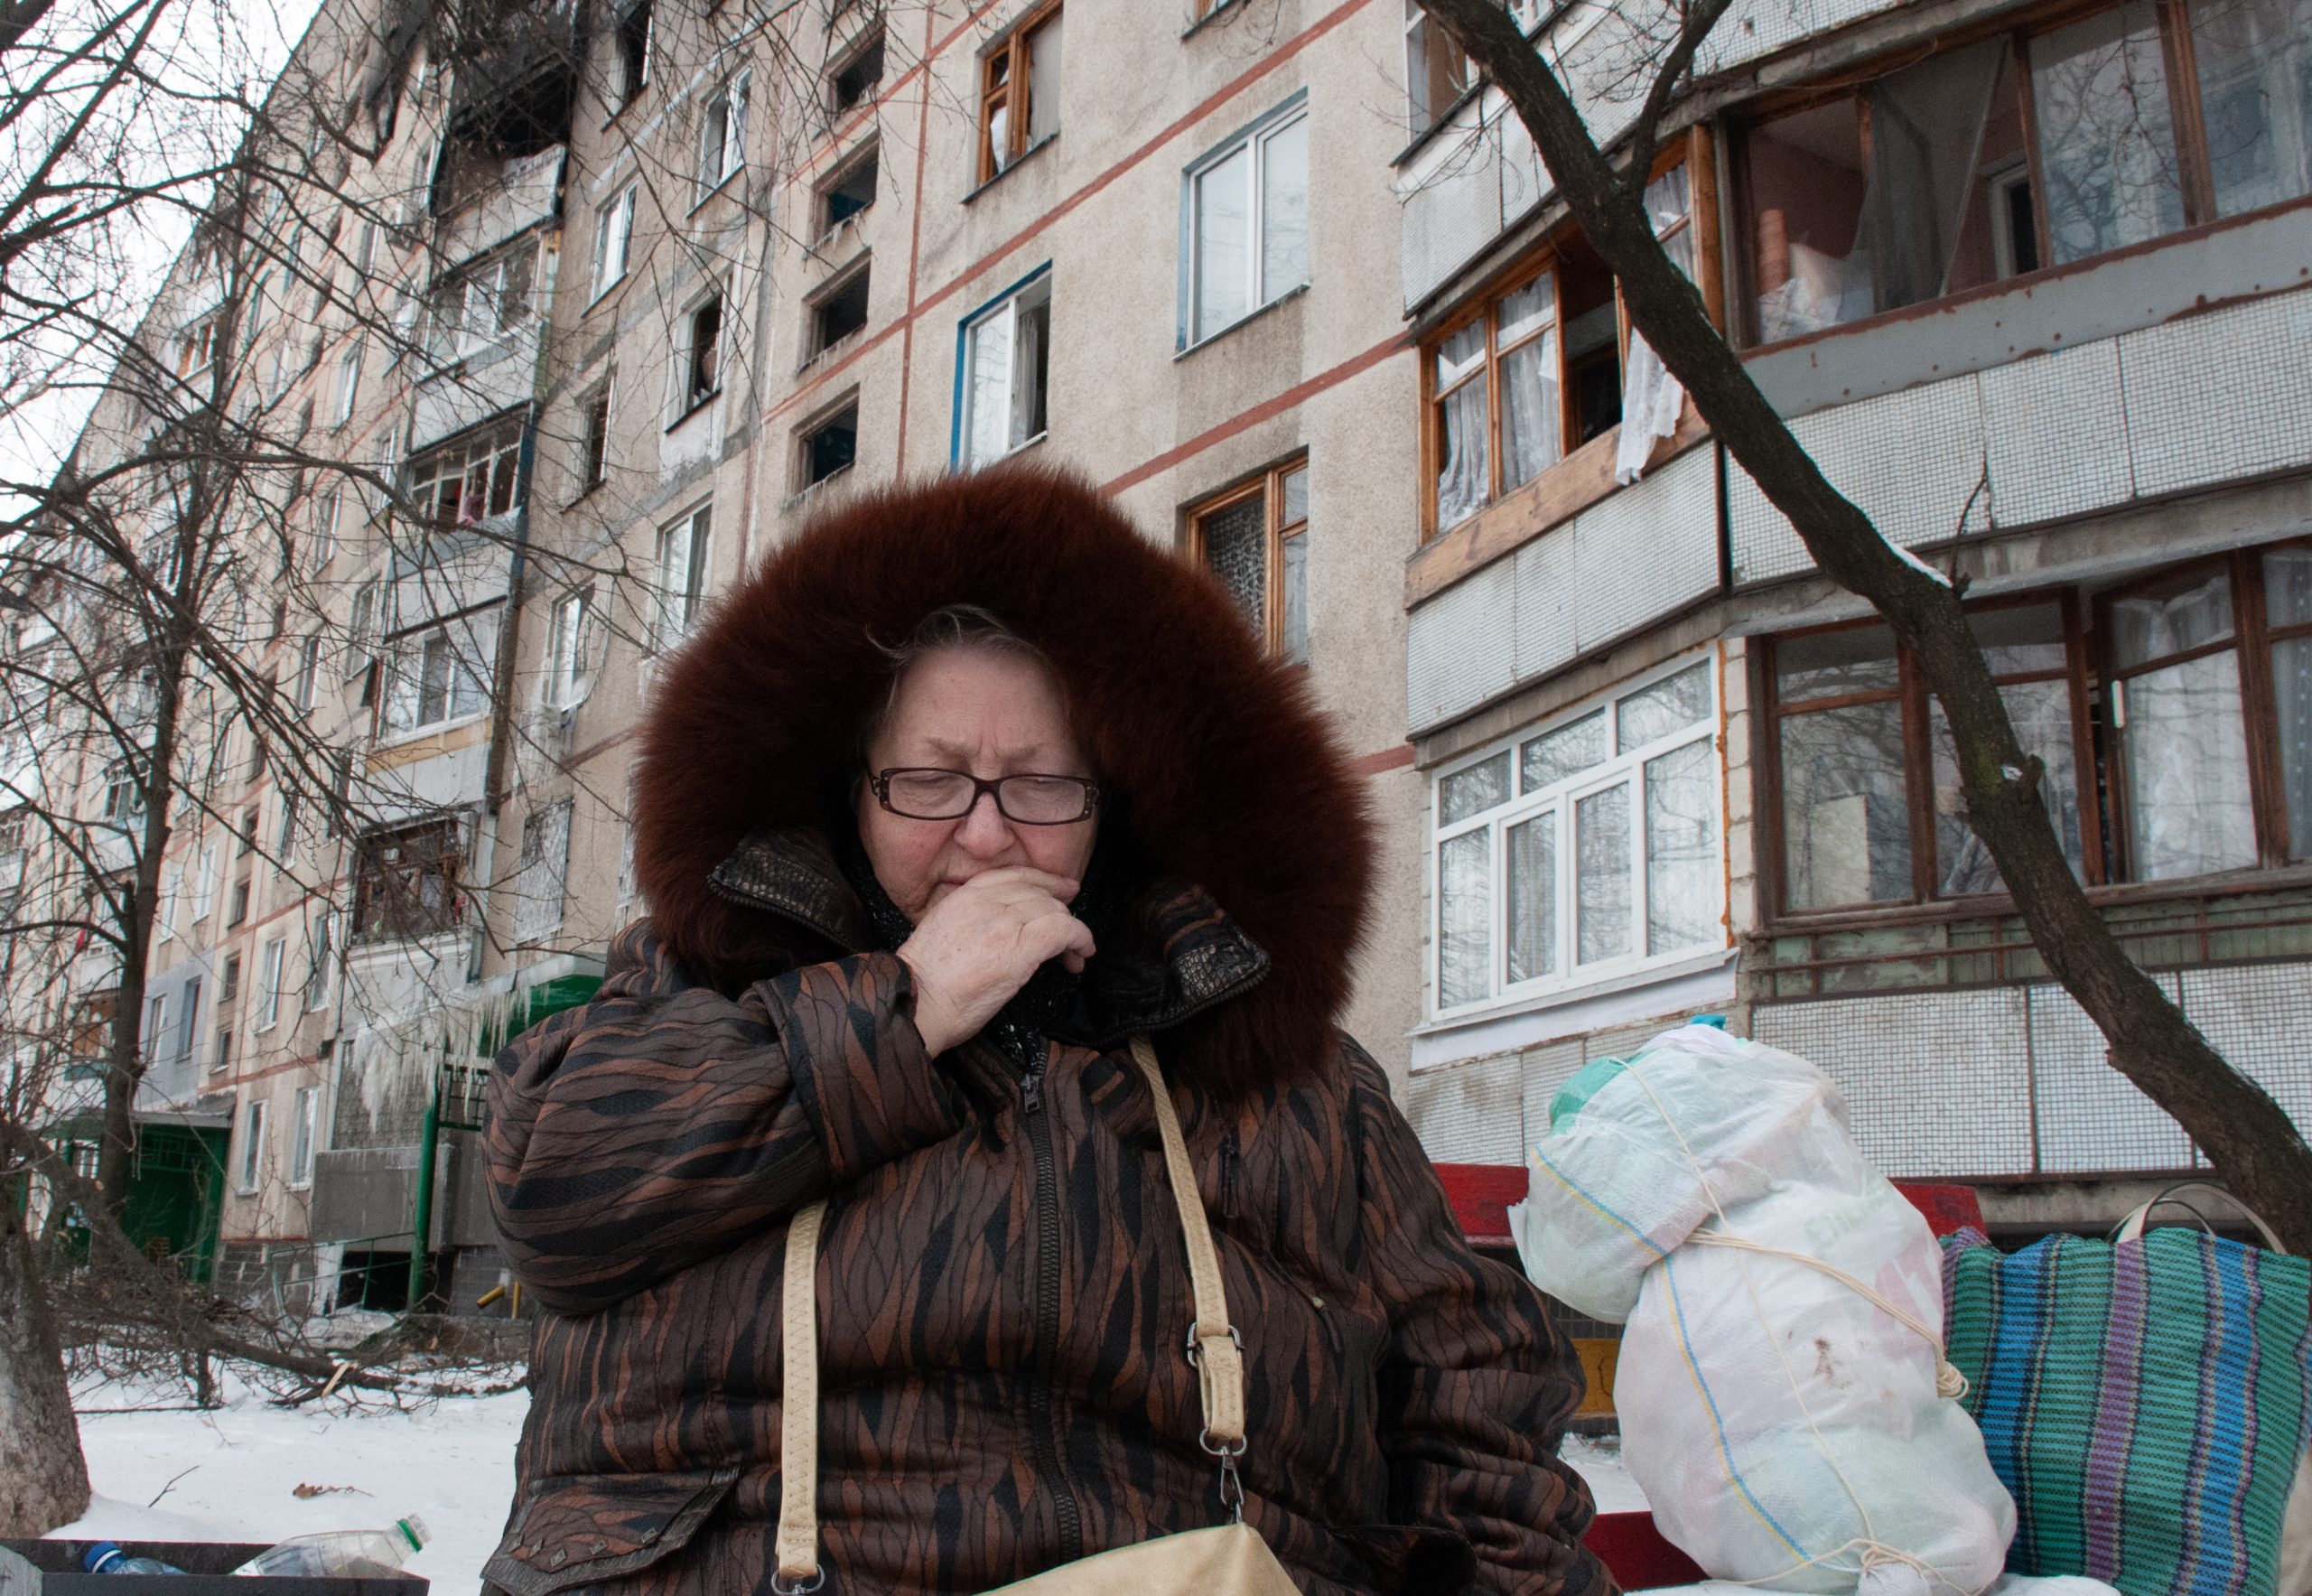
x=1228, y=776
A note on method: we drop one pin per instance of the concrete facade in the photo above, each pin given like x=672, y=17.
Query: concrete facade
x=724, y=324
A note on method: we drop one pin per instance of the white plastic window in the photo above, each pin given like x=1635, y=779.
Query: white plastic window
x=1006, y=358
x=1247, y=205
x=1586, y=850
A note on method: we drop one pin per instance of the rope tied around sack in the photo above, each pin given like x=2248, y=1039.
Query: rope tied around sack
x=1948, y=1381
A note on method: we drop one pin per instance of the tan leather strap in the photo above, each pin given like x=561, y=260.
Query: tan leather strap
x=799, y=1442
x=1212, y=1339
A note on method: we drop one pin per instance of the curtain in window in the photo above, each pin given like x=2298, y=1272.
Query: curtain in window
x=2107, y=145
x=1463, y=471
x=1043, y=80
x=1532, y=898
x=1651, y=401
x=2041, y=714
x=1681, y=867
x=2187, y=770
x=989, y=399
x=1845, y=814
x=1601, y=881
x=1464, y=917
x=2288, y=601
x=1026, y=419
x=1529, y=412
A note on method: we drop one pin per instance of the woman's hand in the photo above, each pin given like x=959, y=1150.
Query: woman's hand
x=978, y=944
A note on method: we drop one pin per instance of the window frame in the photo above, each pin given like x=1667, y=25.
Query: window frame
x=1005, y=86
x=433, y=849
x=567, y=676
x=249, y=1169
x=735, y=99
x=620, y=206
x=630, y=53
x=407, y=649
x=1695, y=152
x=1571, y=978
x=1029, y=291
x=2188, y=122
x=496, y=448
x=348, y=381
x=594, y=434
x=858, y=274
x=690, y=397
x=1269, y=486
x=304, y=1136
x=271, y=958
x=675, y=612
x=810, y=431
x=2098, y=756
x=873, y=39
x=1255, y=137
x=870, y=152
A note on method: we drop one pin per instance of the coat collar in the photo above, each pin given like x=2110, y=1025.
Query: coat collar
x=1185, y=957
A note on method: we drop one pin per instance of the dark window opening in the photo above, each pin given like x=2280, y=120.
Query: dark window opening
x=853, y=79
x=851, y=192
x=406, y=882
x=703, y=377
x=1593, y=367
x=841, y=313
x=831, y=447
x=631, y=37
x=594, y=449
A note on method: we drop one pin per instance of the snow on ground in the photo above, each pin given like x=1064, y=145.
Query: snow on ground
x=231, y=1474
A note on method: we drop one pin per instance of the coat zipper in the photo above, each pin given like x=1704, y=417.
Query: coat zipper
x=1039, y=1387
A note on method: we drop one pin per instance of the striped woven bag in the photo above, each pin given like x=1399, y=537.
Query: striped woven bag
x=2145, y=1402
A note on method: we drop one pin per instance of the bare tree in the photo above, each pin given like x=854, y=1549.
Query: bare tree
x=2261, y=1153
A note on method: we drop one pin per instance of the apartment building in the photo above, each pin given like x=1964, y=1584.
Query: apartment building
x=655, y=279
x=2030, y=282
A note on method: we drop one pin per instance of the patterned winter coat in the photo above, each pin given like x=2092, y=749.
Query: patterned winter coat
x=1003, y=1297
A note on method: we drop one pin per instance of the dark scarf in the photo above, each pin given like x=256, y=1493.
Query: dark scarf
x=1022, y=1026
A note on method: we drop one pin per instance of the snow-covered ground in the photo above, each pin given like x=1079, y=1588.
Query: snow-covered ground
x=232, y=1474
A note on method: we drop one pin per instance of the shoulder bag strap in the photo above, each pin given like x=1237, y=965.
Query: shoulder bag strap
x=1212, y=1347
x=798, y=1439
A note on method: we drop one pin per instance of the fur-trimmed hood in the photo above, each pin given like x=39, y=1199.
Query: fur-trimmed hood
x=1227, y=777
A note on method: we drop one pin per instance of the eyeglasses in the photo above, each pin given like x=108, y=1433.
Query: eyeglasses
x=919, y=793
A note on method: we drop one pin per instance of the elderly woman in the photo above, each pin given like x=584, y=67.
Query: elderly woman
x=969, y=787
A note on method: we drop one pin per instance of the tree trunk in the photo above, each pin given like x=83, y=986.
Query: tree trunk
x=2260, y=1153
x=43, y=1481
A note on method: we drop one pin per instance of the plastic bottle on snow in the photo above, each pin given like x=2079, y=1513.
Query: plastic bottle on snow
x=107, y=1557
x=342, y=1552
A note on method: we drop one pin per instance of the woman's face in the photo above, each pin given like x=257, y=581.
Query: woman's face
x=991, y=713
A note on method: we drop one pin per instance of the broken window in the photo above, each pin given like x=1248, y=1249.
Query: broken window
x=1586, y=849
x=1255, y=539
x=854, y=74
x=1018, y=100
x=613, y=240
x=594, y=437
x=571, y=644
x=1437, y=73
x=406, y=882
x=463, y=482
x=543, y=874
x=1537, y=368
x=849, y=192
x=827, y=448
x=701, y=353
x=839, y=311
x=630, y=52
x=1999, y=158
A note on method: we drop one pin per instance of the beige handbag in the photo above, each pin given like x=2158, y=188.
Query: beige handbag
x=1228, y=1560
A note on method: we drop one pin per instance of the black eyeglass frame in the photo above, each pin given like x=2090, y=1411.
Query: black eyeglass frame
x=880, y=783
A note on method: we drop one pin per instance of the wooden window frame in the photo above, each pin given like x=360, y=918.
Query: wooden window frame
x=1003, y=86
x=2251, y=639
x=1695, y=151
x=2195, y=176
x=1269, y=486
x=2098, y=761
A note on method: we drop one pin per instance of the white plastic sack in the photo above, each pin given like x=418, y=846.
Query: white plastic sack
x=2013, y=1584
x=1786, y=1430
